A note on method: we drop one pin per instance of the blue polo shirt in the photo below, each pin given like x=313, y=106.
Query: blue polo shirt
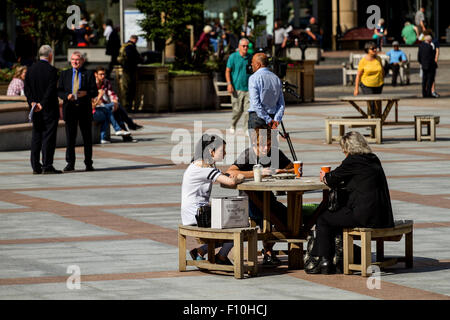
x=395, y=56
x=238, y=66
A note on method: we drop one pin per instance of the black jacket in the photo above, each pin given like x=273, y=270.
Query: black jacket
x=367, y=193
x=87, y=84
x=40, y=87
x=426, y=56
x=133, y=57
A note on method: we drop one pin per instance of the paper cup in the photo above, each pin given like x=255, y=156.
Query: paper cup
x=298, y=168
x=326, y=169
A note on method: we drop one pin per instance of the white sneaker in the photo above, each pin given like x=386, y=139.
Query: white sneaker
x=105, y=141
x=122, y=133
x=232, y=130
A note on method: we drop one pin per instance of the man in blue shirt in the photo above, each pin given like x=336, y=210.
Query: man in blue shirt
x=396, y=58
x=266, y=95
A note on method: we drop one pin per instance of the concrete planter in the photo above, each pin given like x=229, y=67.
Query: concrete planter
x=152, y=88
x=3, y=88
x=189, y=92
x=301, y=75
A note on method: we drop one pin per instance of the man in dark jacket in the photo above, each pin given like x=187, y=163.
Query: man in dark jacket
x=426, y=58
x=42, y=96
x=76, y=87
x=129, y=63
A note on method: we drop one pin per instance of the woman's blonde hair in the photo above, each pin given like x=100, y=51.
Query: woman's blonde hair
x=207, y=29
x=354, y=143
x=18, y=71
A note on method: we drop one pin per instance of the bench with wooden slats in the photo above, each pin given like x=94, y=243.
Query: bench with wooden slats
x=211, y=236
x=380, y=235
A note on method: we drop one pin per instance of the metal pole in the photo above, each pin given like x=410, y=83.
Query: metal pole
x=122, y=26
x=436, y=19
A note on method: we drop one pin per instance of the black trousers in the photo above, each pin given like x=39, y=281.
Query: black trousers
x=122, y=117
x=427, y=81
x=395, y=72
x=43, y=138
x=254, y=121
x=328, y=225
x=73, y=119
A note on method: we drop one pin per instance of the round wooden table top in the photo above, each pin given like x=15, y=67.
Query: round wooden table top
x=271, y=184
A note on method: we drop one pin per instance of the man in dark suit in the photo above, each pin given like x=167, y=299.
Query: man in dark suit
x=42, y=96
x=426, y=58
x=76, y=88
x=130, y=61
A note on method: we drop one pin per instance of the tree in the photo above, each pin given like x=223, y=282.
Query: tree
x=168, y=19
x=247, y=14
x=43, y=20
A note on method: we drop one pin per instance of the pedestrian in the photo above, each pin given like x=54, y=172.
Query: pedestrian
x=42, y=96
x=265, y=95
x=112, y=45
x=76, y=87
x=280, y=38
x=314, y=32
x=426, y=58
x=379, y=34
x=129, y=58
x=410, y=33
x=237, y=83
x=420, y=22
x=196, y=189
x=108, y=99
x=201, y=48
x=396, y=58
x=363, y=197
x=436, y=47
x=264, y=151
x=17, y=85
x=370, y=75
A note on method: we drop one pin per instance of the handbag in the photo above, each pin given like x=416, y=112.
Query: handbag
x=203, y=217
x=333, y=200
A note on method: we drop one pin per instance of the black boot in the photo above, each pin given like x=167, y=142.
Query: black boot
x=312, y=266
x=326, y=266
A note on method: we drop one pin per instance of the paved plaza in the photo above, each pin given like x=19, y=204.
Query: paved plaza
x=117, y=226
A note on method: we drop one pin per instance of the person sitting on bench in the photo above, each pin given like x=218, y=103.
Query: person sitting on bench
x=196, y=188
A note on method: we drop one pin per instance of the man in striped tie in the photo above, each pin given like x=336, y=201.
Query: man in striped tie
x=76, y=87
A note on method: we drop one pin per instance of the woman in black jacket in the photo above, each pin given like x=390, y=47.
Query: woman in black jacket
x=364, y=200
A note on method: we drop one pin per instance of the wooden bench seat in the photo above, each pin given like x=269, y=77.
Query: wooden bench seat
x=218, y=88
x=380, y=235
x=342, y=122
x=430, y=121
x=210, y=236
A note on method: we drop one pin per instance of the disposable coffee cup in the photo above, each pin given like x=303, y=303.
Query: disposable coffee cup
x=257, y=172
x=326, y=169
x=298, y=168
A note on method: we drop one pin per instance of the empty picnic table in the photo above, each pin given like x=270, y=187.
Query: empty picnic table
x=375, y=109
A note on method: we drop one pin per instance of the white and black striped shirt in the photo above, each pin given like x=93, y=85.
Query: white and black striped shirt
x=196, y=190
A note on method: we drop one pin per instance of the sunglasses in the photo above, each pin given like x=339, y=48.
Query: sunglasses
x=244, y=46
x=373, y=49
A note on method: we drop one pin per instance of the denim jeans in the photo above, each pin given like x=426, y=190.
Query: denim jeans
x=104, y=115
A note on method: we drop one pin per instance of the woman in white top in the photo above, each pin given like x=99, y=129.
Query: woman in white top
x=197, y=184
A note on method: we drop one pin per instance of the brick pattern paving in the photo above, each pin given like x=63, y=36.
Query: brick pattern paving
x=119, y=222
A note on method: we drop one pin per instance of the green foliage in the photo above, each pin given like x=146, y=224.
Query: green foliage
x=167, y=19
x=45, y=20
x=6, y=74
x=246, y=14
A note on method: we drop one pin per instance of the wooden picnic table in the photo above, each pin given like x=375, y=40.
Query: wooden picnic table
x=375, y=108
x=294, y=189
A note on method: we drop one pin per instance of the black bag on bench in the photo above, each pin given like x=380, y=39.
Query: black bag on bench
x=204, y=217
